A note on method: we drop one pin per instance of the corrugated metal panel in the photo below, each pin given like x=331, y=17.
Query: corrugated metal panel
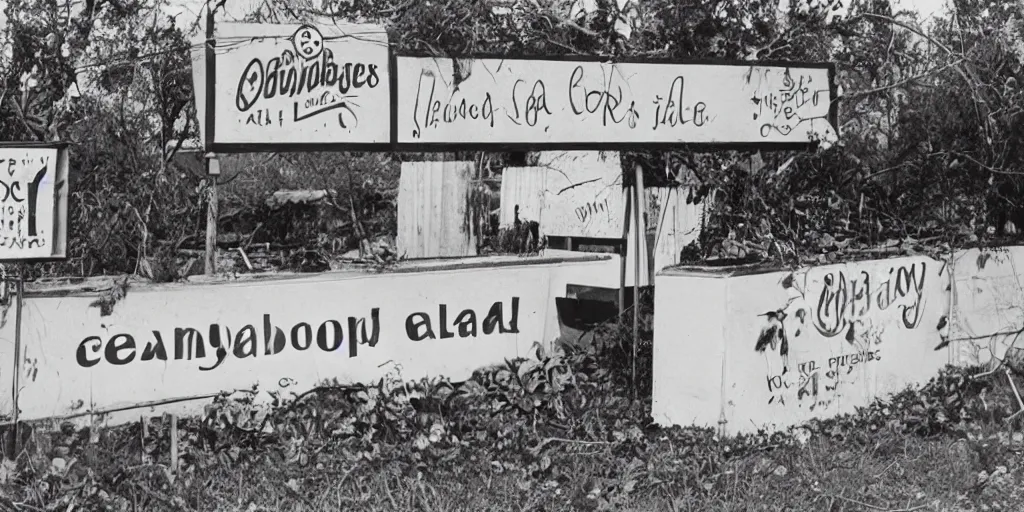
x=674, y=222
x=523, y=187
x=631, y=252
x=432, y=210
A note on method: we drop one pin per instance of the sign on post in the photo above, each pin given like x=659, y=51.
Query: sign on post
x=577, y=104
x=33, y=202
x=294, y=86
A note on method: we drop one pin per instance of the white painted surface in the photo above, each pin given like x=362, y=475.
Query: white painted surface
x=345, y=97
x=570, y=193
x=583, y=194
x=75, y=360
x=33, y=203
x=546, y=101
x=988, y=305
x=433, y=210
x=869, y=330
x=522, y=187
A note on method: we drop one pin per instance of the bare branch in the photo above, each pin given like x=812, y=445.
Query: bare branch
x=919, y=76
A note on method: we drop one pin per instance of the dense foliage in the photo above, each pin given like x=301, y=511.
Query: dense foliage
x=562, y=424
x=929, y=155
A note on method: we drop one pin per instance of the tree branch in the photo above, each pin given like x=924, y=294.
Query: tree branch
x=861, y=94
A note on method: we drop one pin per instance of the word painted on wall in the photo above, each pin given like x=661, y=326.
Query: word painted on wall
x=303, y=86
x=420, y=326
x=846, y=298
x=536, y=102
x=31, y=197
x=813, y=384
x=845, y=301
x=213, y=346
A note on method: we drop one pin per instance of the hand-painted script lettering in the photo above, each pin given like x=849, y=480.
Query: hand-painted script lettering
x=815, y=385
x=844, y=299
x=671, y=111
x=188, y=343
x=310, y=76
x=591, y=208
x=19, y=202
x=433, y=110
x=782, y=110
x=607, y=100
x=522, y=101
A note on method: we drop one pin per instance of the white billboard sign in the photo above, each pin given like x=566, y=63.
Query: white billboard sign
x=295, y=85
x=33, y=202
x=518, y=102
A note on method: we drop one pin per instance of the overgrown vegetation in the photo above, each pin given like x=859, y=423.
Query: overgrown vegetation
x=556, y=431
x=930, y=153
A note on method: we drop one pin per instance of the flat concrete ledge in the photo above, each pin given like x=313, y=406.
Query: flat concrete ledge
x=78, y=286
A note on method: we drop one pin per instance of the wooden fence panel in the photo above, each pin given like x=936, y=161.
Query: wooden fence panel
x=433, y=216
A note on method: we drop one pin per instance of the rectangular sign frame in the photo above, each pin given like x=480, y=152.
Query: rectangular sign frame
x=57, y=179
x=403, y=142
x=673, y=97
x=335, y=105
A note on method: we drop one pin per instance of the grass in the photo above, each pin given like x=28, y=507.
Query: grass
x=561, y=435
x=895, y=472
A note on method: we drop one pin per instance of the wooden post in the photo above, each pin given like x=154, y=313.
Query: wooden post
x=212, y=166
x=622, y=261
x=212, y=169
x=143, y=434
x=637, y=185
x=174, y=445
x=16, y=430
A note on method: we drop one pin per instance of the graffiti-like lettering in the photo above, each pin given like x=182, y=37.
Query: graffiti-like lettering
x=309, y=75
x=436, y=110
x=535, y=104
x=782, y=110
x=519, y=101
x=591, y=208
x=420, y=326
x=611, y=105
x=671, y=111
x=189, y=344
x=816, y=386
x=845, y=299
x=20, y=202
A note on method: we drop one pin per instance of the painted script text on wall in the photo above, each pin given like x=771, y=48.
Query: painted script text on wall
x=845, y=299
x=330, y=336
x=843, y=310
x=848, y=302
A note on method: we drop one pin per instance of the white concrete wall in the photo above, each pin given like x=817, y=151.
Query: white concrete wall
x=707, y=368
x=988, y=305
x=74, y=360
x=850, y=333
